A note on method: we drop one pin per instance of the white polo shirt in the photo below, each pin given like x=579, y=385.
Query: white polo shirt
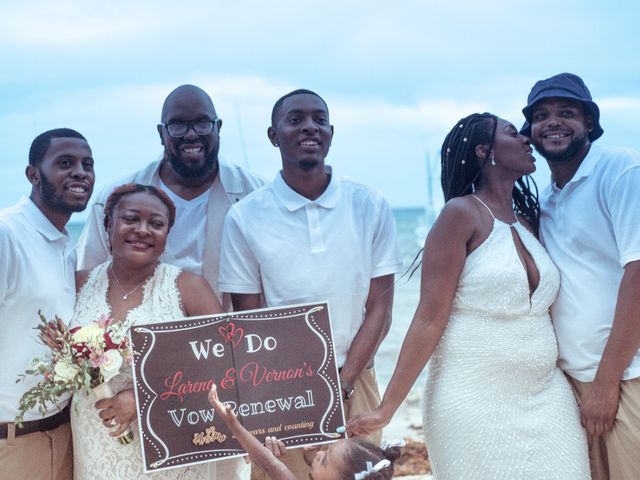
x=591, y=229
x=296, y=250
x=37, y=272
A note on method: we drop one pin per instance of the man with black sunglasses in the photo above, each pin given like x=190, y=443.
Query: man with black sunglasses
x=202, y=188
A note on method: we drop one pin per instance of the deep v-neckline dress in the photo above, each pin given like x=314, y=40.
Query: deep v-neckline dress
x=496, y=406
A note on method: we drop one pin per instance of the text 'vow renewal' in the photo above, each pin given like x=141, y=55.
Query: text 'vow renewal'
x=275, y=367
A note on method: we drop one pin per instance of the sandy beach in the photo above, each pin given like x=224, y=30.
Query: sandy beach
x=407, y=424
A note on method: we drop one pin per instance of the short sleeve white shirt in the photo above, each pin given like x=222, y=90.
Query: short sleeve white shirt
x=37, y=272
x=591, y=229
x=295, y=250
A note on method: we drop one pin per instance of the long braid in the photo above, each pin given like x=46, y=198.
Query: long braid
x=525, y=201
x=461, y=169
x=460, y=165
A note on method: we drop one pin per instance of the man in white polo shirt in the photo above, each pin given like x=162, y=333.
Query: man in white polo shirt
x=37, y=273
x=201, y=186
x=590, y=224
x=311, y=235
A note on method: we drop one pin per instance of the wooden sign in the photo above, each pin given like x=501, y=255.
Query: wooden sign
x=276, y=367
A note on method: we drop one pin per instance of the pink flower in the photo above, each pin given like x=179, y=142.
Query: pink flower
x=97, y=358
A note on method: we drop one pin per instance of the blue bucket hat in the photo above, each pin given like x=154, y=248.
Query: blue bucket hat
x=563, y=85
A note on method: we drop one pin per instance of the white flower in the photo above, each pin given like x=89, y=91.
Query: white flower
x=65, y=371
x=91, y=334
x=110, y=363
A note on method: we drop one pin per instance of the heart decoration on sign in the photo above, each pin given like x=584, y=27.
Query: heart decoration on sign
x=232, y=334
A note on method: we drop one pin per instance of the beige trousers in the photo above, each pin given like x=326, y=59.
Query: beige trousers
x=38, y=455
x=365, y=398
x=616, y=455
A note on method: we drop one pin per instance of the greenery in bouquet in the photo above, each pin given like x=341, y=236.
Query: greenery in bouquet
x=79, y=358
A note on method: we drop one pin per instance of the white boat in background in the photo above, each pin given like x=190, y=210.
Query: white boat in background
x=434, y=201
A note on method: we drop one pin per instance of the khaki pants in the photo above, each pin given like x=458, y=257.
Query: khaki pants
x=38, y=455
x=365, y=398
x=616, y=455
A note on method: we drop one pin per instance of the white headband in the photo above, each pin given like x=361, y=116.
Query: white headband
x=398, y=442
x=382, y=464
x=371, y=468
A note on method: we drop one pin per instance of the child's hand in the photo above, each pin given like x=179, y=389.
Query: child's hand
x=275, y=446
x=225, y=411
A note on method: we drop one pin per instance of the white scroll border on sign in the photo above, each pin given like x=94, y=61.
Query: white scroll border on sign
x=164, y=460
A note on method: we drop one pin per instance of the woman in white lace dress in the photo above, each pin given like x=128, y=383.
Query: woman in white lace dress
x=495, y=406
x=133, y=287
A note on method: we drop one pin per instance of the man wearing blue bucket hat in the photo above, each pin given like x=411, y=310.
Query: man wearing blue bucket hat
x=590, y=224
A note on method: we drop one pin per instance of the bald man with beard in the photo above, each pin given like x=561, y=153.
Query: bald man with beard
x=202, y=187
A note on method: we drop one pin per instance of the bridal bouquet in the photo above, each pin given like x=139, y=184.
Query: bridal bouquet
x=79, y=358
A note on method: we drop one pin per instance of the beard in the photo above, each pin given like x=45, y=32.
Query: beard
x=55, y=201
x=566, y=155
x=186, y=171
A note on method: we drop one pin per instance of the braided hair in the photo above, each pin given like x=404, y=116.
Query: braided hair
x=360, y=452
x=461, y=166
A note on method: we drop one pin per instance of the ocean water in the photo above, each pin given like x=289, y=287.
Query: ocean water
x=411, y=224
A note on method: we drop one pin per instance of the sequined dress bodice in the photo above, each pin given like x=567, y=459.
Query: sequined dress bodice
x=496, y=406
x=507, y=295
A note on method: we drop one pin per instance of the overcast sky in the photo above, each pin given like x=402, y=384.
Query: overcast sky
x=396, y=75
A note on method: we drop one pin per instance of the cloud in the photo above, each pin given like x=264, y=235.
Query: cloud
x=397, y=76
x=119, y=122
x=620, y=105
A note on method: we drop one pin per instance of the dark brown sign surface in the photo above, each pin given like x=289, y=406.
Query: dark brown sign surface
x=275, y=367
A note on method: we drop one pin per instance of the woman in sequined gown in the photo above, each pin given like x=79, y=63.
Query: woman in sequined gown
x=132, y=287
x=495, y=406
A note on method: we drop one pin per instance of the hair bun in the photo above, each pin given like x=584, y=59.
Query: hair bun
x=392, y=453
x=391, y=449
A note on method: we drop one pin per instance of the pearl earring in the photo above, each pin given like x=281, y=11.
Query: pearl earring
x=493, y=159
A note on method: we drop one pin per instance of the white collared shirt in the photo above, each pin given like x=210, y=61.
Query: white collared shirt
x=37, y=272
x=295, y=250
x=591, y=229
